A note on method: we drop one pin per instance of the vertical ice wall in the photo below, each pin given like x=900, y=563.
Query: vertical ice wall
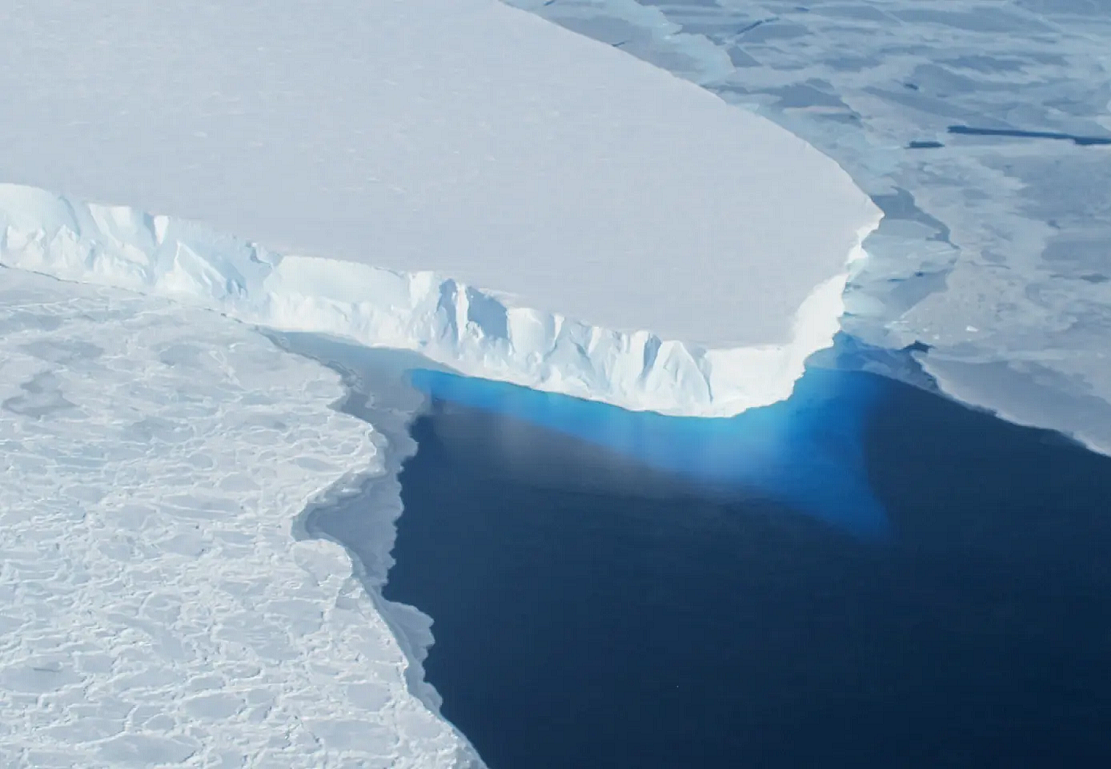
x=461, y=137
x=994, y=247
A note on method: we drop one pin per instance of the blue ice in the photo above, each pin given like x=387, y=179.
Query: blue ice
x=808, y=452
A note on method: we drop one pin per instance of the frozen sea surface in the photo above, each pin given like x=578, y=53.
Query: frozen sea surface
x=156, y=607
x=994, y=247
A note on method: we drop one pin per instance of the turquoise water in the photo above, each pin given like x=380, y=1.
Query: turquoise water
x=756, y=452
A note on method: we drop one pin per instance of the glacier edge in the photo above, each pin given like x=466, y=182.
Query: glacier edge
x=475, y=331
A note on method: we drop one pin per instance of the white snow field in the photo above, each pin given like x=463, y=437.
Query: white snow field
x=994, y=249
x=591, y=224
x=155, y=609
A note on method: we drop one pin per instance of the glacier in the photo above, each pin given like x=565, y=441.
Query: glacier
x=992, y=257
x=519, y=201
x=475, y=332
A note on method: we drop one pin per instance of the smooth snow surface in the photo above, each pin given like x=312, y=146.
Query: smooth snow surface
x=154, y=608
x=462, y=137
x=994, y=248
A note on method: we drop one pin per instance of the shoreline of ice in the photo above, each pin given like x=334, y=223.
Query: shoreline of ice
x=377, y=394
x=157, y=610
x=475, y=332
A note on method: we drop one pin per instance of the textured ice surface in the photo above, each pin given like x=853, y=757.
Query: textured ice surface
x=473, y=331
x=155, y=608
x=995, y=249
x=463, y=137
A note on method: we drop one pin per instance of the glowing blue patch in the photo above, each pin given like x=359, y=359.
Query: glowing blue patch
x=806, y=452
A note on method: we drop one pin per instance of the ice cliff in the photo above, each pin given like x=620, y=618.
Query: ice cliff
x=473, y=331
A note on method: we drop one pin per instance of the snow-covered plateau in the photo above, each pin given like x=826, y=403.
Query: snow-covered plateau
x=454, y=176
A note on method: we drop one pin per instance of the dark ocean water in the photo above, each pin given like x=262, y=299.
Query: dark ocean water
x=868, y=576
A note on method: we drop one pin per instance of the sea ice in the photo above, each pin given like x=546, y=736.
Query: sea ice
x=154, y=607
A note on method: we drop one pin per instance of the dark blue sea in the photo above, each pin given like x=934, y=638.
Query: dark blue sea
x=866, y=575
x=869, y=575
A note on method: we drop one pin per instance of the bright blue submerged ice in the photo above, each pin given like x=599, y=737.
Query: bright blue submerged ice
x=980, y=128
x=806, y=452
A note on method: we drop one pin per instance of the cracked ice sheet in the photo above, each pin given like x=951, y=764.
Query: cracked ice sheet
x=993, y=250
x=155, y=607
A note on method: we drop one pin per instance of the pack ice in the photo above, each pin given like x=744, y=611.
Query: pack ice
x=451, y=176
x=154, y=608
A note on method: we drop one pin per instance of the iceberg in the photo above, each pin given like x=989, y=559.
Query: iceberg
x=981, y=130
x=458, y=177
x=472, y=331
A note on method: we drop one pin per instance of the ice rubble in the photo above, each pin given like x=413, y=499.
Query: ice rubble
x=155, y=609
x=994, y=250
x=572, y=218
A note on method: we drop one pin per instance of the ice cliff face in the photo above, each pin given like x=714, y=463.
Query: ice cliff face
x=993, y=252
x=473, y=331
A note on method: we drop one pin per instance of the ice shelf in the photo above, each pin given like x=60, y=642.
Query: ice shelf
x=981, y=130
x=610, y=230
x=156, y=609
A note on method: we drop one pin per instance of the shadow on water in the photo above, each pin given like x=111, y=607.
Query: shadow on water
x=805, y=453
